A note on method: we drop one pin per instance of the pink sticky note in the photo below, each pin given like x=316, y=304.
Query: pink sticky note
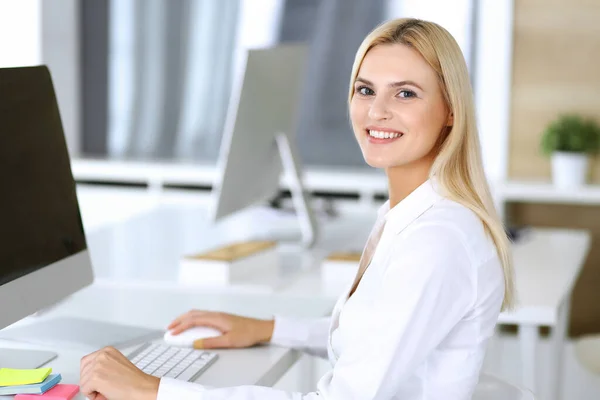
x=58, y=392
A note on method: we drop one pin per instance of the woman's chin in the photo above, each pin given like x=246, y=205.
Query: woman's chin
x=377, y=162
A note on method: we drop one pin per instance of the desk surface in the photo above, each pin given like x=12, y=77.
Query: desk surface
x=147, y=248
x=547, y=262
x=136, y=265
x=155, y=308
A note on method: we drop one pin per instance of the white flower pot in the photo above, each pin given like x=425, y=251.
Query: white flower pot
x=569, y=170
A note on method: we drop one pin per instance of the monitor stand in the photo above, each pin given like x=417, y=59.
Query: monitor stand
x=306, y=217
x=24, y=359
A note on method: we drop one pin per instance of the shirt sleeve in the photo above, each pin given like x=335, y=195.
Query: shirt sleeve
x=427, y=288
x=308, y=335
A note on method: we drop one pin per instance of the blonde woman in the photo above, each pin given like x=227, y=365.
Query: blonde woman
x=435, y=272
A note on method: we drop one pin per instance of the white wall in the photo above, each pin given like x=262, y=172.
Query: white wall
x=455, y=16
x=34, y=32
x=493, y=65
x=20, y=33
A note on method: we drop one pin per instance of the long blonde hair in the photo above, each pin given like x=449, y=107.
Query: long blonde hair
x=458, y=166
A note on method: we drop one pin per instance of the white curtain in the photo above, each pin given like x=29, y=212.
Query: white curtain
x=172, y=64
x=208, y=72
x=121, y=67
x=204, y=112
x=170, y=72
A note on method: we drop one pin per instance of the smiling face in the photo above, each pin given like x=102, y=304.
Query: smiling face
x=398, y=110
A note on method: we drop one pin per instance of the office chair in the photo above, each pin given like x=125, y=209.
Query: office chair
x=493, y=388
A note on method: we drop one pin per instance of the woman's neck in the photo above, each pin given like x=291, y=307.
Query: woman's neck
x=403, y=180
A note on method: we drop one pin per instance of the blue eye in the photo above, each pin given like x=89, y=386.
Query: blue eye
x=405, y=94
x=365, y=91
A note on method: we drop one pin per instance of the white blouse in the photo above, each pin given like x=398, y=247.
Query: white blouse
x=417, y=325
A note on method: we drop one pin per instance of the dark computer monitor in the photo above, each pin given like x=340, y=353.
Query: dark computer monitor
x=43, y=252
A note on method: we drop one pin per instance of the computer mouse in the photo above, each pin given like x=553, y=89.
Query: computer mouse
x=189, y=336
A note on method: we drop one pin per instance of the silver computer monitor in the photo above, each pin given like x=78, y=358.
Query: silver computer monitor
x=43, y=252
x=260, y=133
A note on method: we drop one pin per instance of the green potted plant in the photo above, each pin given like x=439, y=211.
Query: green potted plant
x=569, y=141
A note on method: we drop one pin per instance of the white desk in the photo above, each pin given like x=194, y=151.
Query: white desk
x=155, y=308
x=147, y=248
x=547, y=265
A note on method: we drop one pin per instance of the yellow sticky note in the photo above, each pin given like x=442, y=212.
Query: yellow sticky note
x=14, y=377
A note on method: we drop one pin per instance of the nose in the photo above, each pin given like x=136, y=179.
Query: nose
x=379, y=109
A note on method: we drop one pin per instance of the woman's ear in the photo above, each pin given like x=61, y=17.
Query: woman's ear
x=450, y=121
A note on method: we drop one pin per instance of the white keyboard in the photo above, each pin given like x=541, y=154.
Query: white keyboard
x=171, y=362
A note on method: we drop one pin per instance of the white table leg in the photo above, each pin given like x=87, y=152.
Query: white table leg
x=529, y=338
x=559, y=333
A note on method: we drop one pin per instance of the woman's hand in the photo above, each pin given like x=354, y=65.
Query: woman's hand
x=108, y=374
x=237, y=331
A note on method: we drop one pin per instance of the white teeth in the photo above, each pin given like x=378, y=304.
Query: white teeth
x=384, y=135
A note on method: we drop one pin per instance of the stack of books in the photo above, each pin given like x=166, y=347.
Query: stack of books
x=228, y=264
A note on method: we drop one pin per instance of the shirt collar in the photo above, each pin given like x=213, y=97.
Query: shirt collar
x=410, y=208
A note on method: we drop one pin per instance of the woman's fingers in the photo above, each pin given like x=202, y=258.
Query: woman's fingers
x=186, y=316
x=181, y=318
x=212, y=320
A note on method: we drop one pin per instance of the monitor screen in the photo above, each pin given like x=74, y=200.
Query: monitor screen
x=40, y=222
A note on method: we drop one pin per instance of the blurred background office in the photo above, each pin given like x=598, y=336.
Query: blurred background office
x=144, y=87
x=150, y=80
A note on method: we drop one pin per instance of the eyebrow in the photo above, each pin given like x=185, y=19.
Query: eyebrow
x=393, y=84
